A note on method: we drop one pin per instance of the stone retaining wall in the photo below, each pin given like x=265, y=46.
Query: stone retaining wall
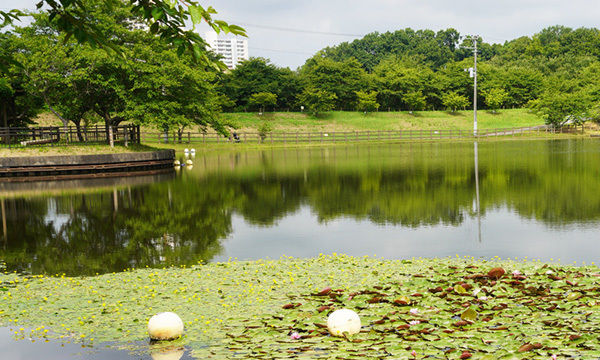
x=31, y=166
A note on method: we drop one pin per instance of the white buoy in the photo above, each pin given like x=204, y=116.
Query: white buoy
x=165, y=326
x=176, y=163
x=189, y=162
x=193, y=151
x=343, y=320
x=186, y=151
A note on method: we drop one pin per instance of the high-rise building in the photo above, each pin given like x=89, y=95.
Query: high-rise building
x=233, y=50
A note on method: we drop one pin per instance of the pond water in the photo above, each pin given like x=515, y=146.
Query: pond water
x=536, y=198
x=511, y=199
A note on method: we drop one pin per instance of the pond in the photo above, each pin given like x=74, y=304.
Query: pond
x=535, y=199
x=509, y=199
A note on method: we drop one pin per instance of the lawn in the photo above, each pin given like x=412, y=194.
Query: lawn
x=351, y=121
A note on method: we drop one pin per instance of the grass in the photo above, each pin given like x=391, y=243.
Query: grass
x=73, y=150
x=335, y=121
x=356, y=121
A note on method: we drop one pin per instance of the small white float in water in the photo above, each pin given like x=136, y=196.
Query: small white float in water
x=176, y=163
x=193, y=151
x=165, y=326
x=186, y=151
x=343, y=320
x=189, y=162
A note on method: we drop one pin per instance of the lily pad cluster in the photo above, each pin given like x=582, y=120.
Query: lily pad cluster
x=422, y=308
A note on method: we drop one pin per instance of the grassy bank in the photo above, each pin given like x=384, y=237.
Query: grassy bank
x=73, y=150
x=356, y=121
x=411, y=309
x=331, y=122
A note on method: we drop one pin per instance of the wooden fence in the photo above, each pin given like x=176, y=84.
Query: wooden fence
x=50, y=136
x=343, y=136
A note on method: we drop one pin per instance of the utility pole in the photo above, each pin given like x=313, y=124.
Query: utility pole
x=473, y=74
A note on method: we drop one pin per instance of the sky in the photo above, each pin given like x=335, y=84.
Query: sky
x=288, y=32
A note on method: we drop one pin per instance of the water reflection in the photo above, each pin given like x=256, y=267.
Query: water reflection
x=395, y=200
x=48, y=349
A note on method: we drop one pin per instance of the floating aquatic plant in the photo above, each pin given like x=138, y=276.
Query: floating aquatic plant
x=439, y=308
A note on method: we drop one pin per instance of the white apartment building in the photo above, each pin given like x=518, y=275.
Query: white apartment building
x=233, y=50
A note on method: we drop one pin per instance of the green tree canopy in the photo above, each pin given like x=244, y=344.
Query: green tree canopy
x=78, y=81
x=317, y=101
x=164, y=18
x=367, y=101
x=453, y=101
x=263, y=99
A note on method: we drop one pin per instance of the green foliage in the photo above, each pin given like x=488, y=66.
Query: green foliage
x=317, y=101
x=415, y=100
x=557, y=108
x=164, y=18
x=264, y=129
x=453, y=101
x=436, y=49
x=495, y=97
x=367, y=101
x=263, y=99
x=342, y=79
x=259, y=75
x=81, y=84
x=234, y=309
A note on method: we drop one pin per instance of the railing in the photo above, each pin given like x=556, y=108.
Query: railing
x=50, y=136
x=53, y=135
x=338, y=136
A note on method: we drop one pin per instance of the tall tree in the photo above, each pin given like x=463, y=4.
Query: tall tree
x=164, y=18
x=340, y=78
x=152, y=85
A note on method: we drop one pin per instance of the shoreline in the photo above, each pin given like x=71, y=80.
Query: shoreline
x=21, y=168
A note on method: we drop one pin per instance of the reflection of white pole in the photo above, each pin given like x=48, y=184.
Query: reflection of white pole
x=477, y=189
x=4, y=227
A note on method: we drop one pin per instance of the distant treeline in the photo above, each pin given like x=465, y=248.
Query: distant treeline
x=555, y=72
x=149, y=82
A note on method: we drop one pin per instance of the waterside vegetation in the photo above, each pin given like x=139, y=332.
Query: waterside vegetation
x=440, y=308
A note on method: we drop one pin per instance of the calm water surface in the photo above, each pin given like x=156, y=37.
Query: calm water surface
x=512, y=199
x=537, y=199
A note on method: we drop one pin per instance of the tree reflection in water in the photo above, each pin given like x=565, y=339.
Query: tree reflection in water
x=186, y=219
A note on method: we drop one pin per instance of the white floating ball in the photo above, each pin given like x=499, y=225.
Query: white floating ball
x=343, y=320
x=186, y=150
x=176, y=163
x=193, y=150
x=189, y=162
x=165, y=326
